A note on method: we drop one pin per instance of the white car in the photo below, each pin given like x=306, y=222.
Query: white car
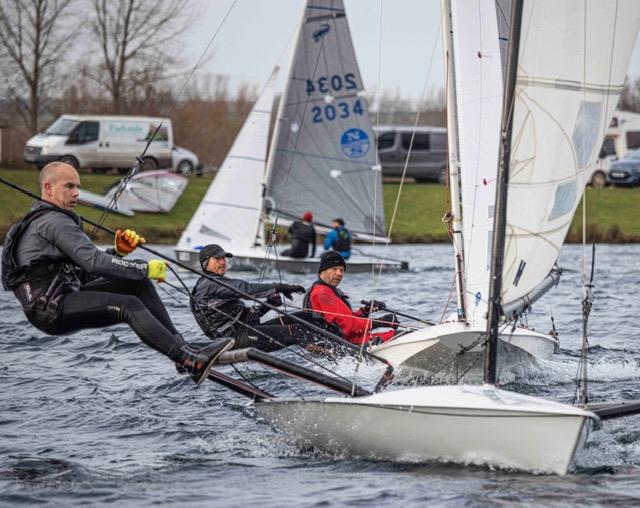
x=184, y=161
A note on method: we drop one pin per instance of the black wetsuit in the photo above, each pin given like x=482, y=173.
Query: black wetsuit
x=66, y=284
x=221, y=313
x=303, y=235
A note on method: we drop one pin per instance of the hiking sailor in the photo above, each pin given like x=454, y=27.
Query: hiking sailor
x=329, y=304
x=220, y=311
x=303, y=236
x=339, y=239
x=66, y=284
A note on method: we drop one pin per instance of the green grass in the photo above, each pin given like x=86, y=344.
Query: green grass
x=613, y=213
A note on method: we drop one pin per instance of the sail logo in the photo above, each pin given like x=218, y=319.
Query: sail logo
x=355, y=143
x=321, y=32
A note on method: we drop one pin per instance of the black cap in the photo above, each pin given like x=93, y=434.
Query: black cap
x=330, y=259
x=212, y=250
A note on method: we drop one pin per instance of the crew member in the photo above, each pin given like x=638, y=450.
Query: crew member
x=339, y=239
x=220, y=311
x=328, y=303
x=303, y=236
x=66, y=284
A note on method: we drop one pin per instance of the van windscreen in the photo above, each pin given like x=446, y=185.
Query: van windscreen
x=62, y=127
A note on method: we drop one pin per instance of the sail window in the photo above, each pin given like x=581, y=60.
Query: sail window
x=565, y=200
x=585, y=133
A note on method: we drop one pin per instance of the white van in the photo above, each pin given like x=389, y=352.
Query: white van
x=103, y=142
x=622, y=136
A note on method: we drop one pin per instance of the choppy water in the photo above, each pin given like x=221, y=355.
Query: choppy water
x=99, y=418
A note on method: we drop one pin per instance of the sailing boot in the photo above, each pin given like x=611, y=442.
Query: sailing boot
x=198, y=362
x=180, y=369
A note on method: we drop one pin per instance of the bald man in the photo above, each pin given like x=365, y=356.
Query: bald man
x=64, y=283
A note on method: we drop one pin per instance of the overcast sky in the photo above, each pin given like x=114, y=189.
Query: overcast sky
x=394, y=49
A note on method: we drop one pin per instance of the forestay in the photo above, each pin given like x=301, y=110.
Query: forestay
x=478, y=90
x=572, y=63
x=323, y=156
x=230, y=210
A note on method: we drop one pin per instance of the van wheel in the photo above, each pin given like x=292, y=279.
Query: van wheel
x=599, y=180
x=71, y=160
x=149, y=164
x=185, y=168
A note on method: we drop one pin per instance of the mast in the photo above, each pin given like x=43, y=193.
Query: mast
x=454, y=161
x=500, y=221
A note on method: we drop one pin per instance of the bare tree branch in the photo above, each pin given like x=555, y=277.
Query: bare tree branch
x=32, y=44
x=134, y=39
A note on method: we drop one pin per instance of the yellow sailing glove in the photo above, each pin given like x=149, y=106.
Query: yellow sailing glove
x=126, y=241
x=157, y=269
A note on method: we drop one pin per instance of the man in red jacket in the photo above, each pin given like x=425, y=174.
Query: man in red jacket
x=327, y=302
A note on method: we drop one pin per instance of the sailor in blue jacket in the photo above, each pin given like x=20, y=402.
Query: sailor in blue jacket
x=339, y=239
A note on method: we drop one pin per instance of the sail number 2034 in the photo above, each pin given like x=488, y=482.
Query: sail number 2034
x=330, y=112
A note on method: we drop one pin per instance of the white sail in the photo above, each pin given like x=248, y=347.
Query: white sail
x=478, y=94
x=230, y=210
x=324, y=158
x=571, y=69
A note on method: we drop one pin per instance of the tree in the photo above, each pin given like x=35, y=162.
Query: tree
x=32, y=45
x=135, y=39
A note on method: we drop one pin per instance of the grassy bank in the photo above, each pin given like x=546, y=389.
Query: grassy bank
x=613, y=213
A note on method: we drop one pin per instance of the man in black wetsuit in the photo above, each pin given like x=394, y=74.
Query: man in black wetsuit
x=303, y=236
x=220, y=311
x=65, y=283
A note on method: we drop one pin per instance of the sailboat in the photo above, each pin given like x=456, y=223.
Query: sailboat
x=475, y=64
x=567, y=63
x=322, y=158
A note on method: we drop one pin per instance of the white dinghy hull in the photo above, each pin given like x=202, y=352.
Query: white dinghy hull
x=257, y=260
x=466, y=424
x=434, y=350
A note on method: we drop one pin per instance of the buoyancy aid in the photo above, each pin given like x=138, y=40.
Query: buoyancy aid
x=39, y=285
x=343, y=240
x=318, y=317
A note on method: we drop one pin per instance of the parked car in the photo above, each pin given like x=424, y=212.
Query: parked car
x=102, y=142
x=184, y=161
x=428, y=157
x=626, y=171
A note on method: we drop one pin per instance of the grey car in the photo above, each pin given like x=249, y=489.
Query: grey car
x=426, y=149
x=626, y=171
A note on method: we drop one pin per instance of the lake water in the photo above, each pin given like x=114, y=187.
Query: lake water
x=98, y=418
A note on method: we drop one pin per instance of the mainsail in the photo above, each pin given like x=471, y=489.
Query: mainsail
x=323, y=156
x=478, y=96
x=230, y=210
x=571, y=69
